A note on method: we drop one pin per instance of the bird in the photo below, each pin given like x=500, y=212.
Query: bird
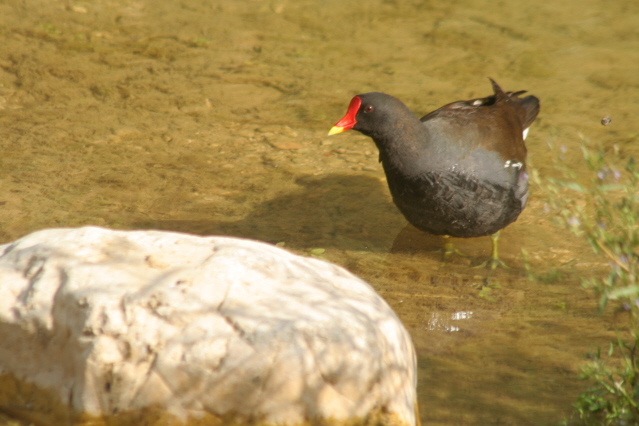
x=459, y=171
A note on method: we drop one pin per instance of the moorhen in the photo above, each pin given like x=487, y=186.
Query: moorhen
x=459, y=171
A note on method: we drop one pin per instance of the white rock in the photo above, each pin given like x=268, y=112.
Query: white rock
x=117, y=321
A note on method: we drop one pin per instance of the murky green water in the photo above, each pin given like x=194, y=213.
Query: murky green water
x=210, y=118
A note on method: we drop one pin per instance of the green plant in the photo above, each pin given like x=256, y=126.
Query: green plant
x=612, y=399
x=605, y=211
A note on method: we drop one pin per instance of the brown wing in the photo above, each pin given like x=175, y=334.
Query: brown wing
x=495, y=123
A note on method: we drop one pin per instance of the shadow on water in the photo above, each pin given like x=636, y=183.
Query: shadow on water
x=411, y=240
x=344, y=212
x=337, y=211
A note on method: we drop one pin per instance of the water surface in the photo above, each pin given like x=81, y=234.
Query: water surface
x=211, y=118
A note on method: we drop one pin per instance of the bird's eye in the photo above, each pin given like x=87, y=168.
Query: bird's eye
x=369, y=108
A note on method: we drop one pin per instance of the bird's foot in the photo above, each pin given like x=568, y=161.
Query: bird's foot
x=449, y=253
x=448, y=249
x=492, y=264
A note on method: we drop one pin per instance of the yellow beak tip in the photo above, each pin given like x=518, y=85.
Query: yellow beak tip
x=335, y=130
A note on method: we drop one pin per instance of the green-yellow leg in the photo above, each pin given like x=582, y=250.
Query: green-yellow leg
x=449, y=248
x=494, y=260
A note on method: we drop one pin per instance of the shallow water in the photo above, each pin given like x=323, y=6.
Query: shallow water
x=211, y=118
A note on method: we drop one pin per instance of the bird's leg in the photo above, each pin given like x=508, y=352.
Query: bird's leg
x=494, y=260
x=449, y=248
x=494, y=254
